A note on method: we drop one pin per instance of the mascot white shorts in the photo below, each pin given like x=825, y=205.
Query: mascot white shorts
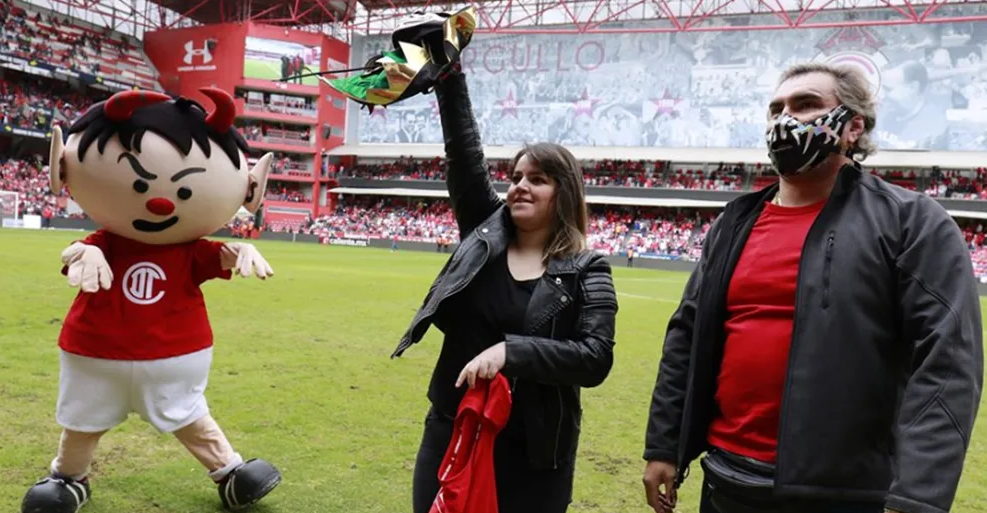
x=96, y=394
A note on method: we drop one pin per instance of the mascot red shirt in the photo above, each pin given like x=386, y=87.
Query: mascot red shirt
x=157, y=174
x=157, y=295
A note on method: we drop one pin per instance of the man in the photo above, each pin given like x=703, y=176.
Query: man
x=827, y=352
x=286, y=70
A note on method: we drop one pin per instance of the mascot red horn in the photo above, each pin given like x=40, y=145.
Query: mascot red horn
x=157, y=175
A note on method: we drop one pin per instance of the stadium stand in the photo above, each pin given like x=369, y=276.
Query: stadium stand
x=275, y=133
x=656, y=231
x=645, y=231
x=31, y=102
x=677, y=233
x=664, y=232
x=58, y=40
x=956, y=184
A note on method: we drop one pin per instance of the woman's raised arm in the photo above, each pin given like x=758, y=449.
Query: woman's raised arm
x=471, y=193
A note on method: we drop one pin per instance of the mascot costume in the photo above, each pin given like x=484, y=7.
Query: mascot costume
x=157, y=174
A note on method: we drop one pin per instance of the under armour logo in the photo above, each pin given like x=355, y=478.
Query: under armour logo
x=140, y=283
x=191, y=51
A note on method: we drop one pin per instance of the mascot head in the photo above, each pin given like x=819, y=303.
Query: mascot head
x=158, y=170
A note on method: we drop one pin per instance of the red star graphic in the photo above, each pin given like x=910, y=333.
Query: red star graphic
x=508, y=105
x=666, y=104
x=585, y=104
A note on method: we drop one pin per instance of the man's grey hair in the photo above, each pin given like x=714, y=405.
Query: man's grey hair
x=853, y=90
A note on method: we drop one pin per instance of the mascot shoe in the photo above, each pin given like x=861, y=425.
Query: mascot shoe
x=248, y=483
x=56, y=495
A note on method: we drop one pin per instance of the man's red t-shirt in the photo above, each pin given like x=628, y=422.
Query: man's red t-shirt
x=760, y=312
x=154, y=308
x=467, y=482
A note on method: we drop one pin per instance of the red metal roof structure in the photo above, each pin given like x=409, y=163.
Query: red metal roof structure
x=346, y=18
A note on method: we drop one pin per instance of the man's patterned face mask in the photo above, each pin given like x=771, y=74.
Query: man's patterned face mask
x=795, y=147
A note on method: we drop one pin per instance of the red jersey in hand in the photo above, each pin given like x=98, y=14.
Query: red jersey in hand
x=760, y=311
x=154, y=308
x=466, y=477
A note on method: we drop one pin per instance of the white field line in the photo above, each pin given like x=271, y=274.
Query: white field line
x=653, y=280
x=649, y=298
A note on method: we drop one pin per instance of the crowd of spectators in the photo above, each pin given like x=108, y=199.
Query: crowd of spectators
x=286, y=164
x=607, y=173
x=275, y=132
x=55, y=39
x=958, y=184
x=20, y=95
x=388, y=218
x=644, y=232
x=260, y=101
x=955, y=184
x=23, y=108
x=30, y=34
x=34, y=103
x=966, y=184
x=29, y=179
x=284, y=191
x=403, y=169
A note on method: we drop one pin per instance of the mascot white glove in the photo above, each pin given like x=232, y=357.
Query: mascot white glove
x=87, y=267
x=245, y=258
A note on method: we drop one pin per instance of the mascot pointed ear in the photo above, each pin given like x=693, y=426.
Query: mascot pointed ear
x=55, y=180
x=257, y=183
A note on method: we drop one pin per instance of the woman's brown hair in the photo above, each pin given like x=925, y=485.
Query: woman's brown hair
x=569, y=227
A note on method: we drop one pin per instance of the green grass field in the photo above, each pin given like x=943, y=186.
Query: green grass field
x=302, y=378
x=271, y=70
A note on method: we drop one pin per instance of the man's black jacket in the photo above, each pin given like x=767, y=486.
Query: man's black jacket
x=886, y=365
x=570, y=321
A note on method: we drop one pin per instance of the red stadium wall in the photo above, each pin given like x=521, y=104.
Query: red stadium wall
x=190, y=58
x=334, y=53
x=183, y=66
x=329, y=117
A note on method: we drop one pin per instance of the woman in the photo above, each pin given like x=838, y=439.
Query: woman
x=522, y=296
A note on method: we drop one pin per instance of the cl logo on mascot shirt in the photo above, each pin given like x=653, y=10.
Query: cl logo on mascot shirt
x=138, y=283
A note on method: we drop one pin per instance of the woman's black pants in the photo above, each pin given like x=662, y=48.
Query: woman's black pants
x=519, y=488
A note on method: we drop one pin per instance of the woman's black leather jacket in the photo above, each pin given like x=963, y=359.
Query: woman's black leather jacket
x=567, y=343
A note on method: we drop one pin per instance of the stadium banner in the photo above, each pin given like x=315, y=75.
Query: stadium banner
x=112, y=84
x=273, y=59
x=346, y=239
x=87, y=78
x=23, y=65
x=614, y=89
x=44, y=69
x=660, y=256
x=193, y=57
x=41, y=132
x=26, y=132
